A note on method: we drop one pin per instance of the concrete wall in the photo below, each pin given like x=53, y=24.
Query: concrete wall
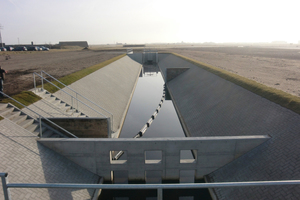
x=83, y=127
x=211, y=106
x=211, y=154
x=110, y=87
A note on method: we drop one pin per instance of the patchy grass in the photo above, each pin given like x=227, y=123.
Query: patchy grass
x=26, y=98
x=69, y=79
x=277, y=96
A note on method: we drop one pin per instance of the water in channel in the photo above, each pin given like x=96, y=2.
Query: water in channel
x=146, y=98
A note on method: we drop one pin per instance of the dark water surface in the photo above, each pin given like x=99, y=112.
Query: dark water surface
x=146, y=98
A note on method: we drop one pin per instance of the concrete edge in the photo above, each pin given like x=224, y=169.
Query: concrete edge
x=118, y=132
x=210, y=138
x=181, y=119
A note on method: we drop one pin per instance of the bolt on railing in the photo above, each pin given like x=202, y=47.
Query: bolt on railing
x=40, y=117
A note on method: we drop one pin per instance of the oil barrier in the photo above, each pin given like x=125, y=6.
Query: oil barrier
x=148, y=123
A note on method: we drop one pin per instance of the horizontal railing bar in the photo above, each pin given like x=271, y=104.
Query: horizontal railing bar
x=77, y=93
x=40, y=116
x=156, y=186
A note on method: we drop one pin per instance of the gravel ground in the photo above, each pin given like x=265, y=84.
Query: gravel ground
x=57, y=63
x=275, y=67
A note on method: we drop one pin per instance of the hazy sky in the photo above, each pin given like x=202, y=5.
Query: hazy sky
x=139, y=21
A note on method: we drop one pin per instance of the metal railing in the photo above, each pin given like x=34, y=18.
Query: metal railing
x=158, y=187
x=74, y=97
x=40, y=117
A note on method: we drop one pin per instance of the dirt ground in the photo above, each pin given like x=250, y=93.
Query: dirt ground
x=275, y=67
x=57, y=63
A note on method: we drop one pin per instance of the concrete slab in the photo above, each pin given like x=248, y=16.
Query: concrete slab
x=211, y=106
x=26, y=161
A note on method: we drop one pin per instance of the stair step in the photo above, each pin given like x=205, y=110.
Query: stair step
x=47, y=134
x=56, y=102
x=12, y=115
x=19, y=118
x=3, y=105
x=50, y=98
x=6, y=110
x=26, y=123
x=32, y=127
x=36, y=131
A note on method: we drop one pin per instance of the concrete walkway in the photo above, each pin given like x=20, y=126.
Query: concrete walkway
x=27, y=161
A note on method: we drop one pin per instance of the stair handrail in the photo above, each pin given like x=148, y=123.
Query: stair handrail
x=40, y=117
x=110, y=121
x=76, y=93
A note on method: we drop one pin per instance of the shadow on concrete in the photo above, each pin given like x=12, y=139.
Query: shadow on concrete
x=136, y=57
x=58, y=169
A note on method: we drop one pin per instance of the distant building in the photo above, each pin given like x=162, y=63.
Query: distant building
x=134, y=45
x=74, y=43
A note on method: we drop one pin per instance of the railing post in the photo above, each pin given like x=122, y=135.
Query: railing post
x=34, y=83
x=159, y=194
x=41, y=131
x=42, y=81
x=4, y=185
x=77, y=101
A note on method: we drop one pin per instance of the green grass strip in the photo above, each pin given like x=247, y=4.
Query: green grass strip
x=69, y=79
x=277, y=96
x=27, y=97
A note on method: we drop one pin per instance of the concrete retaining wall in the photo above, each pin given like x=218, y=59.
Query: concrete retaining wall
x=211, y=153
x=110, y=87
x=83, y=127
x=211, y=106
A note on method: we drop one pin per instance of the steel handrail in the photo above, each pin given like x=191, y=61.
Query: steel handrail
x=158, y=187
x=79, y=94
x=40, y=117
x=69, y=94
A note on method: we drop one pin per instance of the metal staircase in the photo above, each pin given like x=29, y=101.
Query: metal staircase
x=32, y=125
x=32, y=121
x=75, y=100
x=64, y=107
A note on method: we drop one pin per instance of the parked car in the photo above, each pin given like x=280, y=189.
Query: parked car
x=39, y=48
x=9, y=48
x=45, y=48
x=32, y=48
x=3, y=49
x=22, y=48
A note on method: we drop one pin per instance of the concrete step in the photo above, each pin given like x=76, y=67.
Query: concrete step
x=50, y=98
x=47, y=133
x=6, y=110
x=20, y=118
x=36, y=131
x=3, y=105
x=26, y=123
x=12, y=115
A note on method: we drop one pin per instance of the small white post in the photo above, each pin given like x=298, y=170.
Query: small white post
x=159, y=194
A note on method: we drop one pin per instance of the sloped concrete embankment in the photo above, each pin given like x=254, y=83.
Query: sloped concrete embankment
x=111, y=88
x=211, y=106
